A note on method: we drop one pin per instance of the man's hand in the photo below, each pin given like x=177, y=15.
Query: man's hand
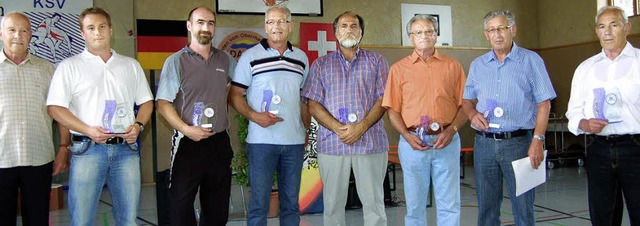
x=415, y=142
x=265, y=119
x=444, y=138
x=351, y=133
x=593, y=125
x=131, y=133
x=536, y=154
x=61, y=163
x=197, y=133
x=98, y=134
x=478, y=121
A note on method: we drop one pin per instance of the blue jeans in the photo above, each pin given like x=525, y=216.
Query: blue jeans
x=94, y=164
x=418, y=167
x=263, y=160
x=613, y=171
x=492, y=164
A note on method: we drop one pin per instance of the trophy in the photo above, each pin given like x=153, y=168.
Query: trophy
x=117, y=117
x=204, y=115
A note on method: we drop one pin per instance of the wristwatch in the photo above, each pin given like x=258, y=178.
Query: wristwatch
x=141, y=126
x=539, y=137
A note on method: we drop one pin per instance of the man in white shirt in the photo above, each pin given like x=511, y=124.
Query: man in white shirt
x=93, y=94
x=604, y=103
x=26, y=145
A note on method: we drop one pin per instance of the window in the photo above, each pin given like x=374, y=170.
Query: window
x=630, y=6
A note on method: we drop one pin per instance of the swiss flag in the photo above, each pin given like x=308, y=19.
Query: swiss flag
x=317, y=39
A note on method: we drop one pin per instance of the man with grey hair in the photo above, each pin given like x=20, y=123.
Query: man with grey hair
x=507, y=99
x=427, y=117
x=272, y=74
x=604, y=105
x=26, y=151
x=192, y=97
x=344, y=92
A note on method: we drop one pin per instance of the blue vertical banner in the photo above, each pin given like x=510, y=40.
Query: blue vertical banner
x=54, y=25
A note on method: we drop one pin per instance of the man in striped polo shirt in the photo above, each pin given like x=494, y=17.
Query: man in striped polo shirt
x=272, y=74
x=507, y=99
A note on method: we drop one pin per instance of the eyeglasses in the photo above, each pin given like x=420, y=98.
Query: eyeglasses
x=428, y=33
x=277, y=22
x=499, y=29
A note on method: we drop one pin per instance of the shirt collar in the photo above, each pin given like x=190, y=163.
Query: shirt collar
x=627, y=51
x=191, y=52
x=86, y=54
x=3, y=57
x=513, y=55
x=342, y=56
x=415, y=57
x=265, y=45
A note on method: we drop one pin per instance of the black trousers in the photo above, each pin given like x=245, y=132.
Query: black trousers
x=613, y=173
x=34, y=183
x=206, y=165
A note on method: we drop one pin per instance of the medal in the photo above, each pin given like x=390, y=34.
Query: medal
x=434, y=126
x=611, y=98
x=276, y=99
x=352, y=117
x=498, y=112
x=209, y=112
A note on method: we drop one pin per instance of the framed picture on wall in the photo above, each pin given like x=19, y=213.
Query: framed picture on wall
x=258, y=7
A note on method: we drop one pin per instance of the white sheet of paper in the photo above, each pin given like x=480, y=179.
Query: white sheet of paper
x=526, y=176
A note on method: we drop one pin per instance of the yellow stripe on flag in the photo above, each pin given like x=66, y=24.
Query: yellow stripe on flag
x=152, y=60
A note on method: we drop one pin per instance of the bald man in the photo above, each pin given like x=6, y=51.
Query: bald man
x=26, y=145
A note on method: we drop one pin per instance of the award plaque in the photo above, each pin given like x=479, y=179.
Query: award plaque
x=204, y=115
x=117, y=117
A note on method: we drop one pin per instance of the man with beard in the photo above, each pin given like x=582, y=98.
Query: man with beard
x=192, y=97
x=423, y=97
x=272, y=74
x=344, y=92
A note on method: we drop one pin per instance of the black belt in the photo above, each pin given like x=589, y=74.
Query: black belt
x=504, y=135
x=112, y=140
x=615, y=138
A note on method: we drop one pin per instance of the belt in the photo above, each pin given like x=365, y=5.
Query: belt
x=615, y=137
x=504, y=135
x=112, y=140
x=427, y=130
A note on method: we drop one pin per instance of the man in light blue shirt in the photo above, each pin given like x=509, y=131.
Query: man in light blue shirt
x=272, y=74
x=507, y=99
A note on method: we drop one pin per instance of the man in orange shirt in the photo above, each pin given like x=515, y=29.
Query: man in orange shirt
x=423, y=97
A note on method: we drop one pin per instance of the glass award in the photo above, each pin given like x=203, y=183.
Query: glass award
x=203, y=115
x=117, y=117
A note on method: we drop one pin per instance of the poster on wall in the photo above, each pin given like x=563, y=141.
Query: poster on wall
x=54, y=26
x=441, y=13
x=297, y=7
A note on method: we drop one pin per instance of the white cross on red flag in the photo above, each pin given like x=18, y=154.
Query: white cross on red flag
x=317, y=39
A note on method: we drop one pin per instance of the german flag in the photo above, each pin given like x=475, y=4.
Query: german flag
x=157, y=39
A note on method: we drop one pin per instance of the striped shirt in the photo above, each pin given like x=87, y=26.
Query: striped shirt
x=516, y=86
x=25, y=126
x=274, y=81
x=349, y=88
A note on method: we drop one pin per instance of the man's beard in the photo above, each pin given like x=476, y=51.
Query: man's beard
x=202, y=39
x=349, y=40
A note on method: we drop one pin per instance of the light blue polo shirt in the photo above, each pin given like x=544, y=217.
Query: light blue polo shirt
x=274, y=81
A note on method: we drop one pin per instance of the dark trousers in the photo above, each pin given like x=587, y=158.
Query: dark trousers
x=205, y=164
x=34, y=183
x=613, y=172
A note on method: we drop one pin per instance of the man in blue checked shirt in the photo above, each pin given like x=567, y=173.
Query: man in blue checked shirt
x=507, y=99
x=344, y=91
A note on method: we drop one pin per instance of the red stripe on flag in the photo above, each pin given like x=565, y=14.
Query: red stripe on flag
x=161, y=43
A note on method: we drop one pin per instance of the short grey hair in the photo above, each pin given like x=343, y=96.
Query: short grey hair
x=617, y=9
x=277, y=7
x=511, y=18
x=420, y=17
